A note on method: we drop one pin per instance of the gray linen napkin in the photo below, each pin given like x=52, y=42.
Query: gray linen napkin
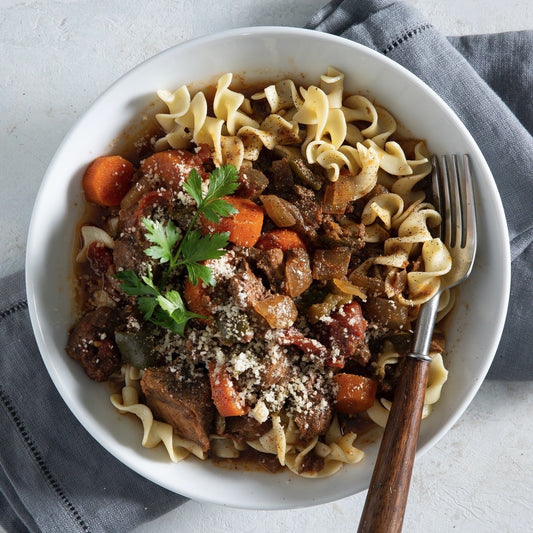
x=54, y=477
x=488, y=81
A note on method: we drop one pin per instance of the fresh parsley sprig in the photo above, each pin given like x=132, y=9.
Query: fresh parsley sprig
x=166, y=310
x=166, y=307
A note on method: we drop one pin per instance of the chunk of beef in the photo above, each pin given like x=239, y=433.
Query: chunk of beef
x=271, y=263
x=276, y=367
x=252, y=182
x=128, y=254
x=312, y=463
x=311, y=209
x=91, y=342
x=245, y=287
x=181, y=400
x=281, y=179
x=314, y=418
x=346, y=232
x=245, y=428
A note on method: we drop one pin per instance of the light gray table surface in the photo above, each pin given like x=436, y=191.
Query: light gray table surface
x=58, y=56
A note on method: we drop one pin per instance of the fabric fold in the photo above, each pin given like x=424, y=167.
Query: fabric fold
x=53, y=474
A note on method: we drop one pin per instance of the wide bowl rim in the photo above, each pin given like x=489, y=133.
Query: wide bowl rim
x=35, y=307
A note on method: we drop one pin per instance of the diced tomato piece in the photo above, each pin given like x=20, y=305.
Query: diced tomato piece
x=100, y=257
x=224, y=393
x=172, y=167
x=151, y=201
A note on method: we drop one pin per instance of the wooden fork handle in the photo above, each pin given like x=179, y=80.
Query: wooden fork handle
x=387, y=496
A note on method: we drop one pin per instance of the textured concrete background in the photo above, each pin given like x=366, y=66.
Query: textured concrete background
x=58, y=56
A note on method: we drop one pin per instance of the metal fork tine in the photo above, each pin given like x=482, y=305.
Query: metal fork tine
x=456, y=202
x=446, y=207
x=436, y=186
x=468, y=205
x=453, y=196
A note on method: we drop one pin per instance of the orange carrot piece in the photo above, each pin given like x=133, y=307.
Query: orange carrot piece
x=169, y=166
x=224, y=394
x=197, y=299
x=244, y=227
x=107, y=180
x=355, y=394
x=285, y=239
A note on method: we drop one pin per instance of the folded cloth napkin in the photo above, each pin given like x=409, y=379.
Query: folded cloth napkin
x=488, y=81
x=54, y=477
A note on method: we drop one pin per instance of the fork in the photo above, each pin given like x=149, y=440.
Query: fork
x=387, y=496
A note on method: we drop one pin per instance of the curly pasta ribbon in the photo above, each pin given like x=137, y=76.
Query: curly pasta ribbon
x=280, y=96
x=420, y=167
x=226, y=105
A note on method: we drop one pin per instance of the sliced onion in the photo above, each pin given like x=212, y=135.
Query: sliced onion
x=280, y=211
x=136, y=192
x=345, y=287
x=373, y=285
x=298, y=276
x=279, y=311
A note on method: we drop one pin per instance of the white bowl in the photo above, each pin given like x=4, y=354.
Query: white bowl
x=256, y=54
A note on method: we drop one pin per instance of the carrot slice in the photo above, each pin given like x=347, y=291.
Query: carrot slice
x=197, y=299
x=244, y=227
x=224, y=394
x=107, y=180
x=355, y=394
x=285, y=239
x=169, y=166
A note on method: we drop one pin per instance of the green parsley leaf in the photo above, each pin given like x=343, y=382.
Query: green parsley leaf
x=198, y=272
x=163, y=237
x=175, y=315
x=193, y=185
x=132, y=285
x=147, y=306
x=218, y=208
x=197, y=247
x=222, y=181
x=171, y=302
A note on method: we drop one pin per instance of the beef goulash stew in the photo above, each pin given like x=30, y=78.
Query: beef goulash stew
x=250, y=284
